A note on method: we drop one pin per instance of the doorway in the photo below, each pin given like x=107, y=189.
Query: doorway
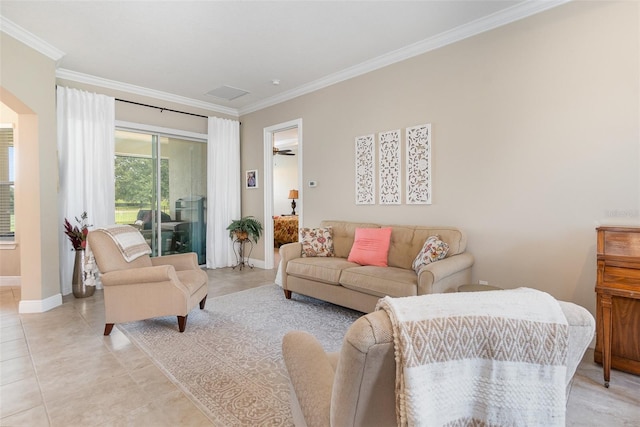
x=278, y=138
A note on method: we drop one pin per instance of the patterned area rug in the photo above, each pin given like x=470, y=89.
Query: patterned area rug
x=229, y=359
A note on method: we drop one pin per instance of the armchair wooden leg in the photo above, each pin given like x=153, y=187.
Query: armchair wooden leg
x=203, y=302
x=287, y=294
x=182, y=323
x=108, y=327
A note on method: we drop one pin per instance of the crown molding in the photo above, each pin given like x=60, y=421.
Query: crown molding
x=31, y=40
x=517, y=12
x=75, y=76
x=490, y=22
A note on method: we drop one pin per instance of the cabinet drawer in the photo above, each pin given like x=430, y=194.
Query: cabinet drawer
x=620, y=275
x=619, y=242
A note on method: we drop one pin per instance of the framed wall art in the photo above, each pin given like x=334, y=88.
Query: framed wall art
x=418, y=165
x=251, y=179
x=365, y=170
x=390, y=172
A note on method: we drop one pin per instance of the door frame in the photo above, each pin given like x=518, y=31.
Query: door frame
x=268, y=184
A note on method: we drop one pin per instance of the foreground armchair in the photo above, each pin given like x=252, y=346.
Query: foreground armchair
x=146, y=287
x=357, y=386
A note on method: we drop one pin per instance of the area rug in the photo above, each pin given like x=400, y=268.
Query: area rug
x=229, y=359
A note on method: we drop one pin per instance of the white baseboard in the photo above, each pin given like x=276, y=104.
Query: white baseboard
x=256, y=263
x=10, y=281
x=40, y=306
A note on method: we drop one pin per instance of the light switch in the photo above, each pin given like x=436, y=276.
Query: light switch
x=313, y=184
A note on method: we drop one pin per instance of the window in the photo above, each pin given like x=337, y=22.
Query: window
x=7, y=186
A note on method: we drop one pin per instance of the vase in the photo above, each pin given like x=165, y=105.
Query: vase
x=80, y=289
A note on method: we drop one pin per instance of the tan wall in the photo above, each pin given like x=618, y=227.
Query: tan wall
x=28, y=88
x=535, y=142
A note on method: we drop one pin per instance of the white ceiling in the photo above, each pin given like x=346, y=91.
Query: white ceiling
x=179, y=50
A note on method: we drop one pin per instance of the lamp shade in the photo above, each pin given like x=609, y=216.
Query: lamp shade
x=293, y=194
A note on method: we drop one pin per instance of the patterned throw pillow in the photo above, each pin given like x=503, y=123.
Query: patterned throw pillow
x=316, y=242
x=433, y=250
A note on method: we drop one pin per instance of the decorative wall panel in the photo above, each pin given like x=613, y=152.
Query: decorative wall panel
x=365, y=170
x=390, y=173
x=418, y=140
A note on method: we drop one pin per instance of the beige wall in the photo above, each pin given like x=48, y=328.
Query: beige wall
x=535, y=142
x=28, y=88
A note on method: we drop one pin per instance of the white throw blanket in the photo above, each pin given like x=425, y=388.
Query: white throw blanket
x=129, y=240
x=494, y=358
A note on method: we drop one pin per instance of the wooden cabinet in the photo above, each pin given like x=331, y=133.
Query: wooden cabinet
x=618, y=300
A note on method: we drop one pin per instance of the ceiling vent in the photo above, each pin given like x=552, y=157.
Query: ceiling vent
x=227, y=92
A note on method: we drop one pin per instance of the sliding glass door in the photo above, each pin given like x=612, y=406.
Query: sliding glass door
x=161, y=190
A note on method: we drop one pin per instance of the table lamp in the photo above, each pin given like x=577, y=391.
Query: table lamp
x=293, y=195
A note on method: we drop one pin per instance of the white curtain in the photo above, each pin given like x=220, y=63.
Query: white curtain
x=223, y=188
x=86, y=134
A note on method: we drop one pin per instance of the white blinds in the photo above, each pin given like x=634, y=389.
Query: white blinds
x=6, y=182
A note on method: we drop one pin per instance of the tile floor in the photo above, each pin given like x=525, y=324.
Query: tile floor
x=56, y=369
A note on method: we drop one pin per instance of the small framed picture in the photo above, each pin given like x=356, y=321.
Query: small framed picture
x=251, y=179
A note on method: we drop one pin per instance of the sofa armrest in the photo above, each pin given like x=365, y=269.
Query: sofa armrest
x=311, y=374
x=287, y=253
x=430, y=274
x=133, y=276
x=186, y=261
x=582, y=328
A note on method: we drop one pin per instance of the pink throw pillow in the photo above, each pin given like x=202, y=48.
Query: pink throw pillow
x=371, y=246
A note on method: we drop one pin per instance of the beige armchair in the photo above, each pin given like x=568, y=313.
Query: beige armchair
x=147, y=287
x=356, y=387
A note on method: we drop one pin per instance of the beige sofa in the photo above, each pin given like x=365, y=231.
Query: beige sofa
x=336, y=280
x=356, y=387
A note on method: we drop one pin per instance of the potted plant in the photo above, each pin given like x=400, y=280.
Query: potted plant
x=77, y=235
x=245, y=228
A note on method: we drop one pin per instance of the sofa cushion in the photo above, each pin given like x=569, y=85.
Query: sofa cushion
x=433, y=250
x=343, y=234
x=380, y=281
x=324, y=269
x=316, y=242
x=370, y=246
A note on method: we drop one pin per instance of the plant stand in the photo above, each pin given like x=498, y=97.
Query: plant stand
x=242, y=256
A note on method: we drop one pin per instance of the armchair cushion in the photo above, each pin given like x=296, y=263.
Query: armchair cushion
x=184, y=261
x=312, y=373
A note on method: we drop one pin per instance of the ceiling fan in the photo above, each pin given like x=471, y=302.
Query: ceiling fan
x=282, y=152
